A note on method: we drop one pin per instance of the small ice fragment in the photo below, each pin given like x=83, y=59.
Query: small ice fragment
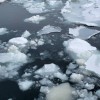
x=49, y=29
x=25, y=85
x=18, y=41
x=77, y=78
x=35, y=19
x=26, y=34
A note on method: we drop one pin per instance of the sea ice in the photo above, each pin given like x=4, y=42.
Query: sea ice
x=82, y=11
x=35, y=19
x=25, y=85
x=3, y=31
x=60, y=92
x=82, y=32
x=79, y=49
x=83, y=53
x=49, y=29
x=26, y=34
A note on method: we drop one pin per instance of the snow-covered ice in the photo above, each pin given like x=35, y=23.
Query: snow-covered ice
x=12, y=61
x=48, y=69
x=76, y=77
x=49, y=29
x=35, y=19
x=78, y=48
x=25, y=85
x=3, y=31
x=82, y=32
x=60, y=92
x=82, y=11
x=83, y=53
x=18, y=41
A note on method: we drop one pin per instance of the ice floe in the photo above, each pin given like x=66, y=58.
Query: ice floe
x=83, y=32
x=26, y=34
x=2, y=1
x=11, y=61
x=82, y=11
x=35, y=19
x=49, y=29
x=54, y=3
x=18, y=41
x=84, y=54
x=76, y=77
x=3, y=31
x=60, y=92
x=25, y=85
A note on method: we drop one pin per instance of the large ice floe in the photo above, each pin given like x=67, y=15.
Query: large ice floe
x=60, y=92
x=85, y=12
x=3, y=31
x=49, y=29
x=83, y=32
x=32, y=6
x=84, y=54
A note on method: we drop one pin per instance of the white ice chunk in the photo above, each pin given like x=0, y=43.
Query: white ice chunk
x=76, y=78
x=49, y=29
x=26, y=34
x=89, y=86
x=60, y=92
x=35, y=19
x=82, y=32
x=48, y=69
x=98, y=93
x=18, y=41
x=3, y=31
x=25, y=85
x=35, y=7
x=61, y=76
x=79, y=49
x=93, y=63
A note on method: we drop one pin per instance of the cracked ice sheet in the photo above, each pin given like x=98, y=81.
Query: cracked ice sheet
x=83, y=32
x=84, y=12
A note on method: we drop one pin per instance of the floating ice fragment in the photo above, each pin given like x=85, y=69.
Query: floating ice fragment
x=77, y=78
x=18, y=41
x=82, y=32
x=49, y=29
x=79, y=49
x=26, y=34
x=35, y=19
x=1, y=1
x=60, y=92
x=3, y=31
x=25, y=85
x=84, y=54
x=82, y=11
